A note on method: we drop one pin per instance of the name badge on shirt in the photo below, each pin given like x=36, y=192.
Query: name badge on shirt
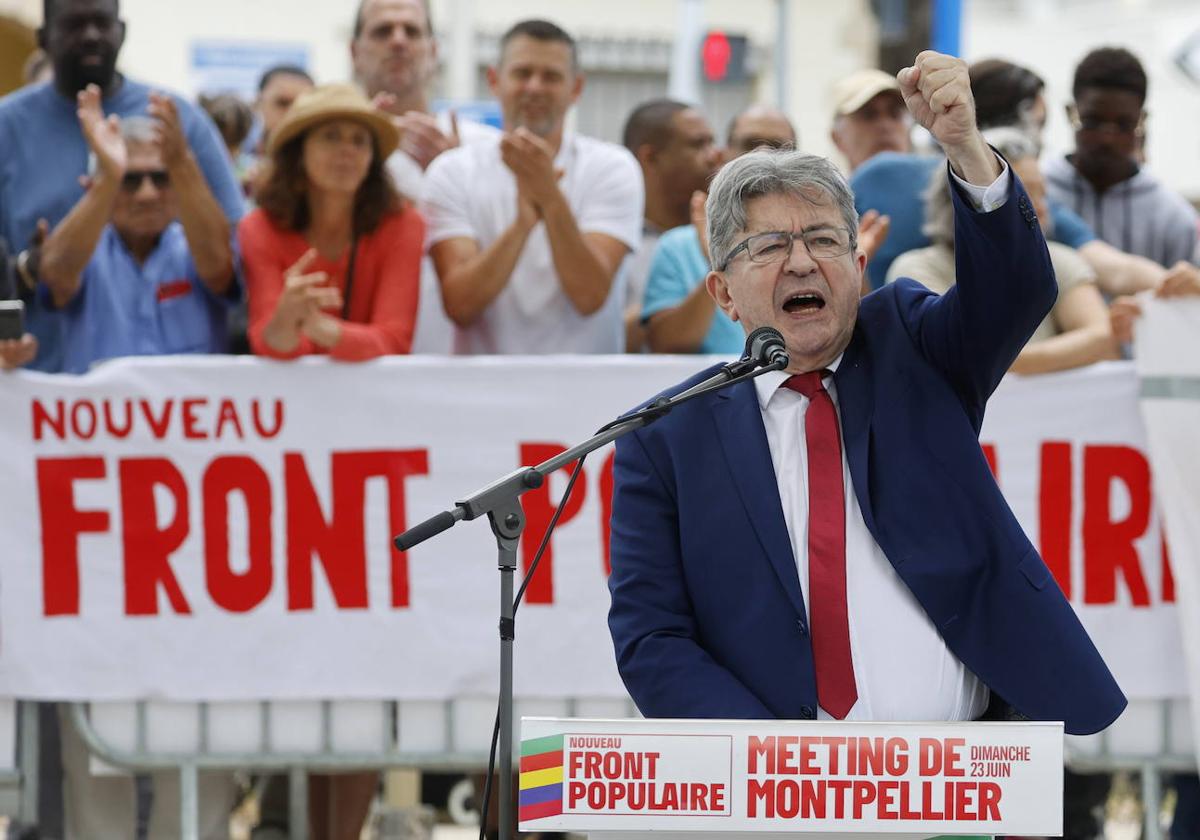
x=174, y=289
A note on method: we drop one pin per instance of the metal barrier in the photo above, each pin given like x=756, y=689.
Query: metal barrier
x=1153, y=737
x=453, y=735
x=18, y=758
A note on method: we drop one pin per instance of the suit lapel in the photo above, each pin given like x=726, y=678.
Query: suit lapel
x=855, y=405
x=744, y=441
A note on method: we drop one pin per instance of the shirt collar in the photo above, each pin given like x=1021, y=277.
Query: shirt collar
x=768, y=384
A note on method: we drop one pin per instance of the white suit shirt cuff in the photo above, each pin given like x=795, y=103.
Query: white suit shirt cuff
x=986, y=199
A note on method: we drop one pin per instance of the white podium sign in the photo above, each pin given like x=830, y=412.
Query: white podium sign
x=916, y=779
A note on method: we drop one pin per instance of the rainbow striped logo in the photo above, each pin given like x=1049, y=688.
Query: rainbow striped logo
x=541, y=778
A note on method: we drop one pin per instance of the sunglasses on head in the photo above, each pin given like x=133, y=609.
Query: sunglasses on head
x=131, y=182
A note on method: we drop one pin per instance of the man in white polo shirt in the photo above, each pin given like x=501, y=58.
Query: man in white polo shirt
x=529, y=232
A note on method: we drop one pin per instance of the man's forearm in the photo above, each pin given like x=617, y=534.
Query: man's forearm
x=1067, y=350
x=974, y=162
x=70, y=246
x=584, y=278
x=204, y=226
x=1119, y=273
x=682, y=328
x=471, y=287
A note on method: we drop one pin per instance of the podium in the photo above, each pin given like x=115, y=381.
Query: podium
x=617, y=779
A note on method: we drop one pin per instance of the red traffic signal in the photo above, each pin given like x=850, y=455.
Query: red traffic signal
x=715, y=55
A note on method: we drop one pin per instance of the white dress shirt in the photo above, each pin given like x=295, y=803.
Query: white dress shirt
x=902, y=669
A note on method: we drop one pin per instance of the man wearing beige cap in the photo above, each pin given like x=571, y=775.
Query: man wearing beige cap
x=869, y=117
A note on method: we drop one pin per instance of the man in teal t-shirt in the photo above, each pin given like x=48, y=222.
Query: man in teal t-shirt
x=677, y=311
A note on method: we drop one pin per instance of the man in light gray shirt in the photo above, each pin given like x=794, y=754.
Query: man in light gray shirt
x=1102, y=180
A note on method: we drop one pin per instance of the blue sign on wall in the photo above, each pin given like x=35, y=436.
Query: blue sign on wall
x=235, y=66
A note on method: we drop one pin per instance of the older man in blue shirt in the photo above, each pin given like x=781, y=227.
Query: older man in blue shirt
x=45, y=154
x=125, y=275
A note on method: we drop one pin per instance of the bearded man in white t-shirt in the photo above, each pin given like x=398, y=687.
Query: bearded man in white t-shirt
x=394, y=54
x=529, y=232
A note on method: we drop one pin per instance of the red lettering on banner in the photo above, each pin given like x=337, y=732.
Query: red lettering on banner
x=787, y=799
x=263, y=432
x=989, y=801
x=41, y=418
x=1168, y=577
x=1108, y=545
x=839, y=788
x=786, y=760
x=83, y=419
x=896, y=753
x=147, y=548
x=866, y=756
x=62, y=523
x=953, y=755
x=760, y=748
x=812, y=799
x=228, y=414
x=230, y=590
x=606, y=494
x=864, y=795
x=110, y=425
x=1055, y=494
x=989, y=452
x=889, y=794
x=401, y=464
x=539, y=508
x=191, y=423
x=927, y=811
x=906, y=812
x=339, y=543
x=835, y=741
x=929, y=751
x=760, y=794
x=158, y=425
x=808, y=755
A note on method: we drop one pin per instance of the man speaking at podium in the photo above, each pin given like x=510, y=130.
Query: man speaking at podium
x=828, y=541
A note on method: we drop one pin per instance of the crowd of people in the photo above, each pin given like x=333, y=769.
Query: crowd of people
x=349, y=219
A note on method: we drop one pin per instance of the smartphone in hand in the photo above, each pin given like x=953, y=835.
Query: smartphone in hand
x=12, y=319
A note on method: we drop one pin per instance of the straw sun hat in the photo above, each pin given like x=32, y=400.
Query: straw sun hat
x=335, y=102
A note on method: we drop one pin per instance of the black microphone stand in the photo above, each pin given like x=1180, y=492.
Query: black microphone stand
x=500, y=502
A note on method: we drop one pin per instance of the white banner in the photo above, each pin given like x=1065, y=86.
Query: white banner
x=1168, y=360
x=871, y=779
x=219, y=529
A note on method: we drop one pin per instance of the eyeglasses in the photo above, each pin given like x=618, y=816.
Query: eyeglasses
x=131, y=182
x=822, y=244
x=1095, y=125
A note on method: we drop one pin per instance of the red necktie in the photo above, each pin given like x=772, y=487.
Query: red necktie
x=836, y=691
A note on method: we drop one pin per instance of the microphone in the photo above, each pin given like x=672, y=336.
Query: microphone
x=765, y=347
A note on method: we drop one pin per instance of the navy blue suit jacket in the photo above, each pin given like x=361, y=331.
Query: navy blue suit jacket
x=707, y=616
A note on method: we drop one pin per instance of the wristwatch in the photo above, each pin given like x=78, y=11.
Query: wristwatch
x=23, y=271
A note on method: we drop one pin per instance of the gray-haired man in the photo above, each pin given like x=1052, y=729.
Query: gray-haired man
x=829, y=541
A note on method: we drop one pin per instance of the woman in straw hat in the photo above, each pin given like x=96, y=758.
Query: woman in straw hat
x=332, y=255
x=332, y=262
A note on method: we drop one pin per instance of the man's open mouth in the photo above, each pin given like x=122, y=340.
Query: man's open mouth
x=804, y=302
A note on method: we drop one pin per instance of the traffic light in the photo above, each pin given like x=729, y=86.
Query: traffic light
x=723, y=57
